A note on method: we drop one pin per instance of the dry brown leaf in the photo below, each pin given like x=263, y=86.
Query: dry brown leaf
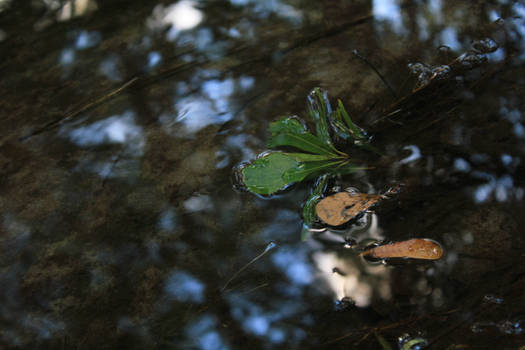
x=342, y=207
x=417, y=248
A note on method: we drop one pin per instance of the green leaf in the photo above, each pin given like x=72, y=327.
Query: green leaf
x=290, y=132
x=345, y=127
x=309, y=213
x=306, y=169
x=382, y=341
x=264, y=175
x=319, y=108
x=274, y=171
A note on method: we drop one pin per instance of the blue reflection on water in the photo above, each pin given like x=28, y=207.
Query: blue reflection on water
x=219, y=91
x=44, y=327
x=257, y=324
x=203, y=333
x=167, y=220
x=246, y=83
x=284, y=225
x=462, y=165
x=213, y=107
x=154, y=58
x=183, y=287
x=388, y=10
x=110, y=68
x=266, y=320
x=86, y=40
x=293, y=262
x=263, y=8
x=114, y=129
x=449, y=37
x=67, y=57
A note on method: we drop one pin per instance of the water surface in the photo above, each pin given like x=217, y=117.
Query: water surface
x=121, y=123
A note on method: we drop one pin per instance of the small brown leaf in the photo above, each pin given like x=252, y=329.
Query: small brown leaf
x=342, y=207
x=417, y=248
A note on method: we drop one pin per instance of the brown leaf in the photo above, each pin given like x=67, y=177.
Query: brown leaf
x=342, y=207
x=417, y=248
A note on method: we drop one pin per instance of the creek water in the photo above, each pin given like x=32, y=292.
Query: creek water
x=120, y=225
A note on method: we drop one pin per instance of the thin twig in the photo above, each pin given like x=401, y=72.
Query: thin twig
x=358, y=55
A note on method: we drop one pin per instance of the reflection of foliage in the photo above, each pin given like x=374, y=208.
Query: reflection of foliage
x=274, y=170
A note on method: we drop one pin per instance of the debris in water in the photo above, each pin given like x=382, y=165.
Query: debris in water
x=491, y=298
x=269, y=247
x=407, y=342
x=344, y=304
x=342, y=207
x=486, y=45
x=418, y=248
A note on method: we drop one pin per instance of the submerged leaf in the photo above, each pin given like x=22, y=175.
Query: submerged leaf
x=342, y=207
x=290, y=132
x=309, y=214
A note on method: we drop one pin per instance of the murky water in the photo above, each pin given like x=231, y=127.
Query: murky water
x=121, y=123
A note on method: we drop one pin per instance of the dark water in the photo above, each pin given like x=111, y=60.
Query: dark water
x=122, y=120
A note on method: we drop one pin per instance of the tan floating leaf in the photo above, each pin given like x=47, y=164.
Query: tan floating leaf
x=417, y=248
x=342, y=207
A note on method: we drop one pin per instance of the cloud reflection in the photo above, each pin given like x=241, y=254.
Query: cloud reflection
x=73, y=8
x=203, y=334
x=182, y=15
x=112, y=130
x=183, y=287
x=294, y=263
x=388, y=10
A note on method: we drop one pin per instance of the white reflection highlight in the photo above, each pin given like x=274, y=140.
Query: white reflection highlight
x=388, y=10
x=213, y=107
x=74, y=8
x=115, y=129
x=353, y=284
x=180, y=16
x=449, y=37
x=198, y=203
x=415, y=155
x=501, y=189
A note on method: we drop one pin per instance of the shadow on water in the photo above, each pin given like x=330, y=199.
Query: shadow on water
x=122, y=122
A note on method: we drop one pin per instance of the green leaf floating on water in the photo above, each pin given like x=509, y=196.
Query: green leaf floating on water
x=319, y=109
x=291, y=132
x=345, y=127
x=274, y=171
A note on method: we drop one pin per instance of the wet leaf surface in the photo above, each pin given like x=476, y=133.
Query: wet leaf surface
x=342, y=207
x=290, y=132
x=417, y=248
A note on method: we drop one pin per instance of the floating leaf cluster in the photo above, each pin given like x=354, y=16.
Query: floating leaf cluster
x=275, y=170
